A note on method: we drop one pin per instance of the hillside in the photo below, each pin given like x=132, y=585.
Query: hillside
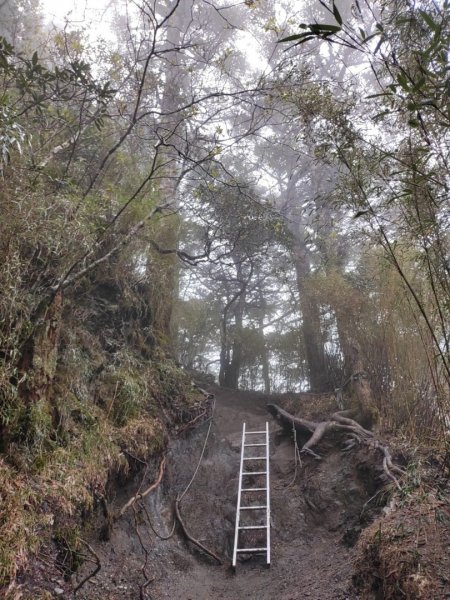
x=214, y=211
x=339, y=529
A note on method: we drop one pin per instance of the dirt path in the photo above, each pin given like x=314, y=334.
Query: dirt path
x=314, y=521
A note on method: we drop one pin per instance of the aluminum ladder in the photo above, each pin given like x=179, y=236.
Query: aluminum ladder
x=253, y=485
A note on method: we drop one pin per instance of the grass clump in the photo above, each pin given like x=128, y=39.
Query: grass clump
x=67, y=448
x=19, y=524
x=123, y=394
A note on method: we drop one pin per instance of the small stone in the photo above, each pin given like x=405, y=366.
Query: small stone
x=58, y=591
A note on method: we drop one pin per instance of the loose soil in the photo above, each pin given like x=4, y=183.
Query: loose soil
x=316, y=519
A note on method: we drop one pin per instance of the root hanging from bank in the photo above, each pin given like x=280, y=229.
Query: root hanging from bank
x=340, y=421
x=146, y=492
x=189, y=536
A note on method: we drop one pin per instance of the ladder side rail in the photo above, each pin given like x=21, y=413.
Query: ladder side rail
x=238, y=508
x=268, y=494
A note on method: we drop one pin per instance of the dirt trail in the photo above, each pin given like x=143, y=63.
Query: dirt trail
x=315, y=521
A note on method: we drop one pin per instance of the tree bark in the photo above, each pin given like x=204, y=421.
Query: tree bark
x=311, y=325
x=264, y=353
x=231, y=351
x=233, y=369
x=37, y=364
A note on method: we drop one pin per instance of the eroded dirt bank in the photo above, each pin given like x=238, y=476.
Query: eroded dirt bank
x=315, y=519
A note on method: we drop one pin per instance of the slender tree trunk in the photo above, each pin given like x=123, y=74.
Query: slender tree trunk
x=176, y=84
x=231, y=351
x=354, y=365
x=224, y=354
x=265, y=369
x=264, y=353
x=234, y=367
x=311, y=326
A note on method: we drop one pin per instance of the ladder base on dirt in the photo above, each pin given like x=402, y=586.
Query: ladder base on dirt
x=247, y=493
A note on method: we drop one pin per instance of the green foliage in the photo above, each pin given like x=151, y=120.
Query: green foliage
x=19, y=522
x=33, y=427
x=12, y=136
x=31, y=77
x=418, y=71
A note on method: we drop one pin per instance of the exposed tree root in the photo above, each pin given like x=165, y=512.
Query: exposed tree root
x=153, y=528
x=198, y=418
x=388, y=465
x=140, y=494
x=192, y=422
x=147, y=580
x=94, y=572
x=189, y=536
x=339, y=421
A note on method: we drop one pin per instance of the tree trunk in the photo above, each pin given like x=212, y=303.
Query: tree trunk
x=311, y=326
x=172, y=127
x=354, y=366
x=39, y=355
x=224, y=350
x=232, y=378
x=231, y=352
x=264, y=353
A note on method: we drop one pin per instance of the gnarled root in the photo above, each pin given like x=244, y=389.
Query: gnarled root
x=339, y=421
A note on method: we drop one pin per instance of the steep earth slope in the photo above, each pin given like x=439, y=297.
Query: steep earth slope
x=315, y=519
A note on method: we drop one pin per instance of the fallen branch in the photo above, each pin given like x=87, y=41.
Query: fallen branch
x=189, y=536
x=207, y=394
x=140, y=495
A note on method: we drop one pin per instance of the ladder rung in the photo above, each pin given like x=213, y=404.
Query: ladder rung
x=253, y=489
x=252, y=527
x=256, y=507
x=255, y=458
x=251, y=549
x=255, y=473
x=253, y=432
x=259, y=444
